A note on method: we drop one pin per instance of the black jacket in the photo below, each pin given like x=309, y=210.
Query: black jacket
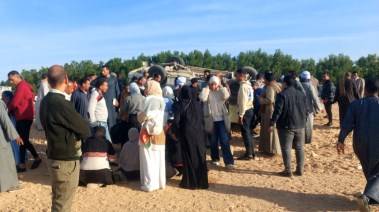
x=328, y=91
x=63, y=127
x=290, y=109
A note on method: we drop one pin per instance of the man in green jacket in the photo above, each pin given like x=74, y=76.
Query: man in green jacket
x=64, y=128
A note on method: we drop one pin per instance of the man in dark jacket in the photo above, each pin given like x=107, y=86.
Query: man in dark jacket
x=290, y=118
x=80, y=98
x=327, y=96
x=64, y=128
x=346, y=92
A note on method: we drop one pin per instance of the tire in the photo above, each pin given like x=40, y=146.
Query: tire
x=251, y=71
x=234, y=86
x=157, y=69
x=176, y=59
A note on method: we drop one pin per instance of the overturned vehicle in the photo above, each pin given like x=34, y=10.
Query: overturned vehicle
x=175, y=67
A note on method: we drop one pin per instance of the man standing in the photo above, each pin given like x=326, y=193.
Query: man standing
x=64, y=128
x=22, y=108
x=42, y=91
x=362, y=117
x=69, y=90
x=346, y=92
x=245, y=113
x=313, y=104
x=80, y=98
x=359, y=83
x=111, y=96
x=97, y=108
x=327, y=97
x=206, y=74
x=290, y=117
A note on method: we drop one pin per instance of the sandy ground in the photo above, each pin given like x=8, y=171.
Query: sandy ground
x=330, y=183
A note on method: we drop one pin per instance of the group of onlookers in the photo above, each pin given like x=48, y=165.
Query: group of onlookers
x=163, y=130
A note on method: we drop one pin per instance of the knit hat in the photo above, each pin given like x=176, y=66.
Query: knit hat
x=180, y=81
x=305, y=75
x=214, y=79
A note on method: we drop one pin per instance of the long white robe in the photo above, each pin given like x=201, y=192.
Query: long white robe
x=42, y=91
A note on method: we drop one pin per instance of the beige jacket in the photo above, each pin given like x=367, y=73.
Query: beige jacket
x=245, y=98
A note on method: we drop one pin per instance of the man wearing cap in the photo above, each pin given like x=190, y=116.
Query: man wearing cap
x=313, y=103
x=245, y=113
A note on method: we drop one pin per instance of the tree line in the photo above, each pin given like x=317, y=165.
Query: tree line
x=279, y=63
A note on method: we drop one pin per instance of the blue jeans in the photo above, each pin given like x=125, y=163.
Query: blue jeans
x=220, y=134
x=289, y=138
x=105, y=125
x=246, y=133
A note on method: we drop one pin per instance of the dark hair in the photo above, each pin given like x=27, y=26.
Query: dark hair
x=133, y=79
x=156, y=75
x=207, y=71
x=12, y=73
x=91, y=75
x=44, y=76
x=292, y=74
x=372, y=85
x=259, y=76
x=193, y=80
x=354, y=72
x=104, y=66
x=348, y=74
x=208, y=77
x=100, y=82
x=326, y=72
x=241, y=71
x=8, y=94
x=99, y=132
x=56, y=75
x=269, y=76
x=288, y=79
x=83, y=81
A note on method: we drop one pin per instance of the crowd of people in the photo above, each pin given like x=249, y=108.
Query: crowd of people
x=163, y=132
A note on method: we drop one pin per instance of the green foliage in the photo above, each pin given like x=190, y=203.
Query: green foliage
x=278, y=62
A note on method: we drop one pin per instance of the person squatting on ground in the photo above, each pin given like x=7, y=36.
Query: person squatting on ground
x=97, y=153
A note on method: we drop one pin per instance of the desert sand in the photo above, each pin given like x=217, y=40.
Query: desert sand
x=330, y=183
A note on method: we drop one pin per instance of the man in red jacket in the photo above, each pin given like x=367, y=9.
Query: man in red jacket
x=22, y=107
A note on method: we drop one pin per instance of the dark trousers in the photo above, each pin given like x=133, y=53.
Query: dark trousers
x=289, y=138
x=372, y=186
x=328, y=109
x=23, y=129
x=246, y=133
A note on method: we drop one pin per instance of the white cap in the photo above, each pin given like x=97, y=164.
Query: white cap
x=305, y=75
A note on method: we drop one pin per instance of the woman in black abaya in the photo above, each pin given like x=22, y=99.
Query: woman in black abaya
x=188, y=128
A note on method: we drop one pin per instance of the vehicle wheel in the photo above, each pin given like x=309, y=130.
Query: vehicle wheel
x=251, y=71
x=234, y=86
x=157, y=69
x=176, y=59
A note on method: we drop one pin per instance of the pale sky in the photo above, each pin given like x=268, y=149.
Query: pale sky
x=36, y=33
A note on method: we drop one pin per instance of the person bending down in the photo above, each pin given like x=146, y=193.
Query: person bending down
x=97, y=152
